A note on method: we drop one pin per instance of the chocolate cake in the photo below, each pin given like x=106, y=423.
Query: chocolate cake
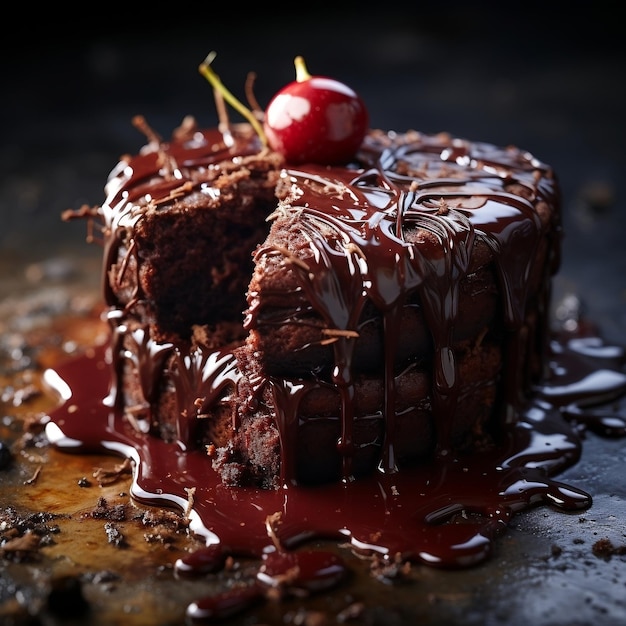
x=309, y=324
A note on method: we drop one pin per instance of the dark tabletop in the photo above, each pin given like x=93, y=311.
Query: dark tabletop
x=549, y=80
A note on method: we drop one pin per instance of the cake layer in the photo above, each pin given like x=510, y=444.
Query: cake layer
x=294, y=339
x=300, y=431
x=183, y=218
x=199, y=397
x=395, y=308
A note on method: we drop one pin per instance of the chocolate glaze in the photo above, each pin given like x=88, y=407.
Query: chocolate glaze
x=450, y=196
x=455, y=195
x=445, y=513
x=406, y=219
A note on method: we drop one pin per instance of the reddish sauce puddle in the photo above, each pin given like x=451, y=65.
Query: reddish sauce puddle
x=445, y=514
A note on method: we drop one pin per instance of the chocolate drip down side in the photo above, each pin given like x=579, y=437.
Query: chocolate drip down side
x=382, y=373
x=408, y=226
x=457, y=239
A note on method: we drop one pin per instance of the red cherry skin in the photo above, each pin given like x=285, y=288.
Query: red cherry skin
x=317, y=120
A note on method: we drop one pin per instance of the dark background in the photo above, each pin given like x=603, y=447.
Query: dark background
x=547, y=77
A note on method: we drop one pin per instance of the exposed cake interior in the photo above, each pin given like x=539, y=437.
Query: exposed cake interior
x=181, y=251
x=315, y=324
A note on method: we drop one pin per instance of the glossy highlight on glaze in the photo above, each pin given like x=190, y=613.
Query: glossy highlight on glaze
x=400, y=225
x=456, y=195
x=446, y=513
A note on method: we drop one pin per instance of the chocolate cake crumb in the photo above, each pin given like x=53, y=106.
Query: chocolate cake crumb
x=115, y=513
x=21, y=536
x=164, y=526
x=387, y=570
x=605, y=548
x=114, y=535
x=556, y=550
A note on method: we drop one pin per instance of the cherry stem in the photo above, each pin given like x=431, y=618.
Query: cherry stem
x=207, y=71
x=302, y=73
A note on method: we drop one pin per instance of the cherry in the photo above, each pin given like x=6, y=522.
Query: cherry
x=315, y=119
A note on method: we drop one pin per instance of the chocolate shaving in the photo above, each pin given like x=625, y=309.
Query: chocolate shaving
x=131, y=303
x=443, y=208
x=271, y=524
x=354, y=249
x=186, y=129
x=88, y=212
x=190, y=500
x=124, y=265
x=174, y=194
x=140, y=123
x=334, y=334
x=222, y=115
x=108, y=476
x=84, y=211
x=28, y=542
x=34, y=477
x=290, y=258
x=257, y=110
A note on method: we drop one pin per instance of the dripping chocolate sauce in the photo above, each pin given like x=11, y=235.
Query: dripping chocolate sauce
x=446, y=512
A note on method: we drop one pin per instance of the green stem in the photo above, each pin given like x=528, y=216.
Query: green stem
x=207, y=71
x=302, y=73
